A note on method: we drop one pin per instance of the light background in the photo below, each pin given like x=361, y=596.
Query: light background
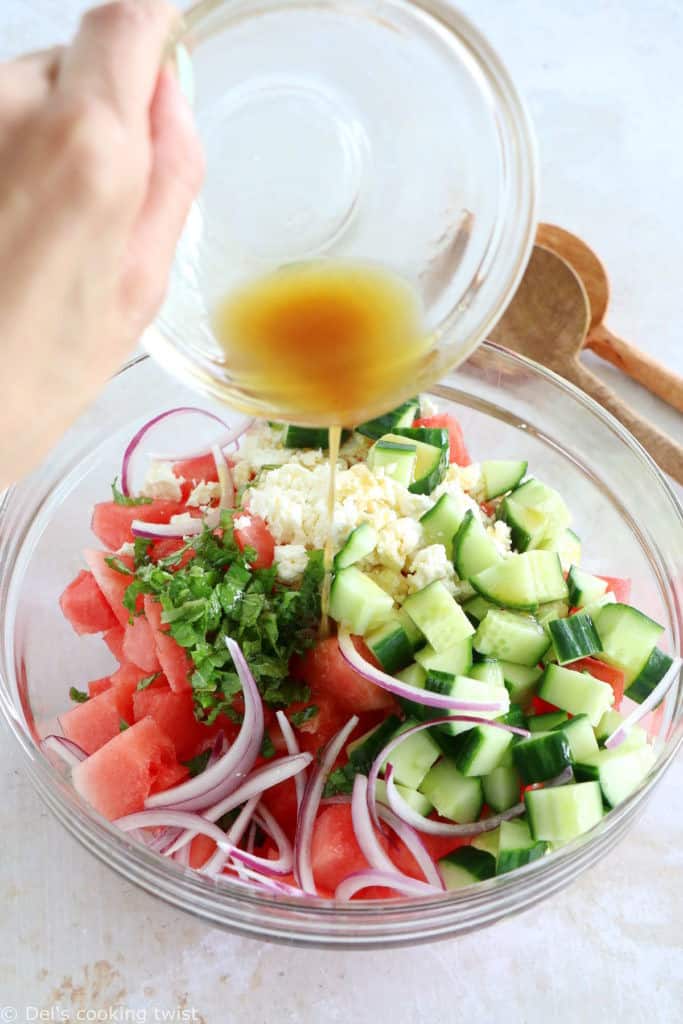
x=604, y=82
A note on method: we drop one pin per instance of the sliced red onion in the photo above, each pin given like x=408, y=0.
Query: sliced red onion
x=214, y=865
x=292, y=745
x=397, y=740
x=303, y=868
x=261, y=779
x=399, y=689
x=650, y=702
x=410, y=838
x=223, y=441
x=67, y=750
x=138, y=437
x=354, y=883
x=227, y=499
x=251, y=839
x=364, y=830
x=224, y=775
x=180, y=526
x=219, y=747
x=161, y=842
x=182, y=857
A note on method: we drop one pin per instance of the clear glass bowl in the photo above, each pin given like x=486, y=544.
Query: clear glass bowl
x=375, y=133
x=624, y=511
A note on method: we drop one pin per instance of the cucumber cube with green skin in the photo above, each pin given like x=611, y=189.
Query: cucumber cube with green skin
x=473, y=549
x=397, y=460
x=541, y=757
x=576, y=692
x=453, y=795
x=402, y=416
x=390, y=645
x=565, y=544
x=511, y=637
x=487, y=841
x=543, y=723
x=501, y=787
x=579, y=735
x=500, y=476
x=463, y=688
x=523, y=581
x=516, y=846
x=618, y=771
x=440, y=523
x=413, y=758
x=534, y=512
x=487, y=671
x=415, y=800
x=574, y=638
x=466, y=866
x=483, y=748
x=609, y=723
x=358, y=545
x=432, y=456
x=584, y=588
x=357, y=602
x=438, y=616
x=521, y=681
x=562, y=813
x=477, y=607
x=651, y=674
x=456, y=659
x=628, y=638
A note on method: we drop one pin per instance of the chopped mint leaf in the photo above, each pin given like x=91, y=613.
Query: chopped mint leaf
x=121, y=499
x=340, y=781
x=198, y=764
x=147, y=681
x=118, y=566
x=141, y=547
x=123, y=725
x=267, y=748
x=300, y=717
x=79, y=696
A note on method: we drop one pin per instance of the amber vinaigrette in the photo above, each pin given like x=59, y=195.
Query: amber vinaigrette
x=330, y=340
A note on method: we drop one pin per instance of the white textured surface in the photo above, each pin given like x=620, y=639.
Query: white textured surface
x=604, y=81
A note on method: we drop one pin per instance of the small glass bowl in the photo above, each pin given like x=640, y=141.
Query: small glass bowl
x=383, y=133
x=630, y=524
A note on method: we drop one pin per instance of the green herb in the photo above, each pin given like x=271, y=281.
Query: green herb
x=340, y=781
x=121, y=499
x=267, y=748
x=141, y=547
x=118, y=566
x=147, y=681
x=198, y=764
x=79, y=696
x=123, y=725
x=298, y=718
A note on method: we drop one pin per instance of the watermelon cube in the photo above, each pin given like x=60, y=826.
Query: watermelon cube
x=93, y=723
x=113, y=584
x=138, y=645
x=174, y=714
x=118, y=778
x=176, y=663
x=85, y=606
x=98, y=686
x=125, y=683
x=111, y=523
x=113, y=638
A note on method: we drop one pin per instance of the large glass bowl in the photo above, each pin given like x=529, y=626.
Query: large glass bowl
x=630, y=525
x=365, y=132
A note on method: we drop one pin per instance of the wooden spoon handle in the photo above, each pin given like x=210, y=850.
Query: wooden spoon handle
x=665, y=451
x=652, y=374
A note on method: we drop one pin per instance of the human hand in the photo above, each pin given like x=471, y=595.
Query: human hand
x=99, y=162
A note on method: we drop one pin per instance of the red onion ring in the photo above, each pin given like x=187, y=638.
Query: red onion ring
x=397, y=740
x=364, y=879
x=231, y=437
x=650, y=702
x=224, y=776
x=293, y=748
x=214, y=865
x=364, y=830
x=303, y=868
x=183, y=525
x=67, y=750
x=136, y=439
x=399, y=689
x=227, y=499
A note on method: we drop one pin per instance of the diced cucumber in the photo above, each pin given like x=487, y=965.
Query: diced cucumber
x=521, y=681
x=456, y=659
x=517, y=847
x=482, y=750
x=510, y=636
x=453, y=795
x=357, y=602
x=438, y=616
x=533, y=511
x=473, y=549
x=563, y=812
x=501, y=787
x=476, y=607
x=358, y=545
x=466, y=866
x=440, y=523
x=432, y=455
x=523, y=581
x=579, y=735
x=628, y=638
x=576, y=692
x=487, y=841
x=397, y=460
x=541, y=757
x=363, y=751
x=309, y=437
x=542, y=723
x=391, y=645
x=652, y=673
x=413, y=675
x=593, y=608
x=500, y=476
x=583, y=587
x=610, y=722
x=466, y=689
x=412, y=632
x=412, y=797
x=403, y=416
x=413, y=758
x=565, y=544
x=573, y=638
x=487, y=671
x=618, y=771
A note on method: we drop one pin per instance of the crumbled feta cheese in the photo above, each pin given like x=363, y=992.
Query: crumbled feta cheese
x=430, y=564
x=397, y=541
x=394, y=582
x=160, y=482
x=242, y=522
x=291, y=560
x=204, y=493
x=126, y=549
x=501, y=536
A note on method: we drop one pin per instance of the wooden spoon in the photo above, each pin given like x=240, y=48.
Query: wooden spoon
x=547, y=321
x=652, y=374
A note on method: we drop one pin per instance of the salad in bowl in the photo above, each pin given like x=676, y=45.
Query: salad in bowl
x=472, y=699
